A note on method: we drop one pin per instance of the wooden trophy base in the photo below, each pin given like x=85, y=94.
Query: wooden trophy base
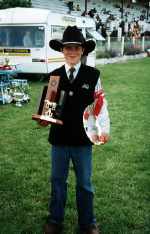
x=48, y=105
x=47, y=118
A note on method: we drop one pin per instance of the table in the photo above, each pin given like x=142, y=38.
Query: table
x=6, y=75
x=3, y=87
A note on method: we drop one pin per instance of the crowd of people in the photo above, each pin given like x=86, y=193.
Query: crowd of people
x=113, y=24
x=117, y=28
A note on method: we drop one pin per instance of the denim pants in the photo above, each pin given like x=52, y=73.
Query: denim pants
x=81, y=157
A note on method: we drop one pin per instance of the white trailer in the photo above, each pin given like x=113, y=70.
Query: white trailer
x=25, y=34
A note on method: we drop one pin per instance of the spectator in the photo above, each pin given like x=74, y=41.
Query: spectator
x=91, y=13
x=78, y=7
x=136, y=30
x=70, y=5
x=103, y=31
x=27, y=40
x=122, y=26
x=98, y=22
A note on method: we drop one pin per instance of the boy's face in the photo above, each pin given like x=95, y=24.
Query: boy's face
x=72, y=53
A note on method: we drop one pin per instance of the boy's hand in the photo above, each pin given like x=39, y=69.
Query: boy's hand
x=104, y=138
x=95, y=138
x=43, y=123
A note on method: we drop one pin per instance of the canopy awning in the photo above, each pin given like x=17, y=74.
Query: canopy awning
x=97, y=36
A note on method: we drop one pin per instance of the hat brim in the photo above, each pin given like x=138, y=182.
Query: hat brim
x=88, y=45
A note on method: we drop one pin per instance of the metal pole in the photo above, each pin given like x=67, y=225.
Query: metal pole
x=85, y=6
x=122, y=46
x=143, y=43
x=148, y=5
x=122, y=9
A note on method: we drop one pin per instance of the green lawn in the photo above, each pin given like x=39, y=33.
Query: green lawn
x=121, y=169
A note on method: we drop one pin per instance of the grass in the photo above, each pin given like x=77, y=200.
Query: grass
x=121, y=169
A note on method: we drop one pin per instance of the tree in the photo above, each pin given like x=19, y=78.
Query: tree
x=15, y=3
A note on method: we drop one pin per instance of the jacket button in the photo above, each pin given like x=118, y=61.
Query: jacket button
x=70, y=93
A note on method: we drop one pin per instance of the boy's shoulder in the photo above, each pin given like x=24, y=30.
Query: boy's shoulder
x=92, y=69
x=56, y=71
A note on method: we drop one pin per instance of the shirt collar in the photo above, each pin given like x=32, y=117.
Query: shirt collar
x=77, y=66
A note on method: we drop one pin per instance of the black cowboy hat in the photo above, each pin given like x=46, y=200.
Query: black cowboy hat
x=73, y=35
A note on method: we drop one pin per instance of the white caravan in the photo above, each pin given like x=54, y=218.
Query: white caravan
x=25, y=34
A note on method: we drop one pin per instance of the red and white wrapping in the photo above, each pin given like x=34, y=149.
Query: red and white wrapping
x=96, y=119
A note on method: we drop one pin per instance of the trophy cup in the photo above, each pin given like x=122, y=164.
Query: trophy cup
x=18, y=90
x=50, y=110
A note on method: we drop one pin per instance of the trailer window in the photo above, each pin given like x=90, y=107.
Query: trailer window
x=22, y=36
x=57, y=31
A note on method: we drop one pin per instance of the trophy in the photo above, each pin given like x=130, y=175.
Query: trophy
x=19, y=91
x=50, y=110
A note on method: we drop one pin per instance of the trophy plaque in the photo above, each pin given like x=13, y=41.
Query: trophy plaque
x=50, y=110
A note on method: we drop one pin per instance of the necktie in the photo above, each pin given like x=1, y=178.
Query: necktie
x=71, y=77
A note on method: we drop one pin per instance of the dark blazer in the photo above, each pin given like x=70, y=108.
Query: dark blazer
x=79, y=94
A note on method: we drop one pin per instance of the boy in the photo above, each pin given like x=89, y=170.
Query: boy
x=70, y=141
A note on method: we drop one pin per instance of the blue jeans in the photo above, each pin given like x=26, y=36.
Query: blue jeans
x=81, y=157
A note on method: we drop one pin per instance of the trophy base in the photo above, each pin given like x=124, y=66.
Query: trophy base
x=46, y=118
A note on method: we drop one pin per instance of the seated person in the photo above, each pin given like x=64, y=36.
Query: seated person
x=78, y=7
x=27, y=41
